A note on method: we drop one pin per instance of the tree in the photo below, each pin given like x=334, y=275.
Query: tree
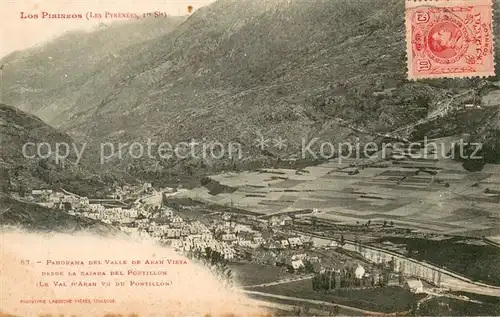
x=384, y=280
x=308, y=267
x=314, y=222
x=409, y=250
x=401, y=279
x=22, y=190
x=315, y=283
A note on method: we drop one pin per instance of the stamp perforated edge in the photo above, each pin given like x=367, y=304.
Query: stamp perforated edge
x=414, y=3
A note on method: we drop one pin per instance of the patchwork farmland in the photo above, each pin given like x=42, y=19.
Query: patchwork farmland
x=423, y=194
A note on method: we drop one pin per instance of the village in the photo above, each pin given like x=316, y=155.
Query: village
x=270, y=257
x=236, y=237
x=275, y=255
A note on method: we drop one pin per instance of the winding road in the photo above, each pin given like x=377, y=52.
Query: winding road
x=283, y=281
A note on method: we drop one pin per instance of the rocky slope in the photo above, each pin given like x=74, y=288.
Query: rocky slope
x=37, y=167
x=238, y=69
x=20, y=173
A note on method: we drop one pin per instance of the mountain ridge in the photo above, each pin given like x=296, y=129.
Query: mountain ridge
x=233, y=70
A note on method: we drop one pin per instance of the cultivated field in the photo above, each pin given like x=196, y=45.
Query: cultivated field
x=428, y=195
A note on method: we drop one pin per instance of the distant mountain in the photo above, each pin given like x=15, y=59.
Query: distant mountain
x=237, y=69
x=46, y=79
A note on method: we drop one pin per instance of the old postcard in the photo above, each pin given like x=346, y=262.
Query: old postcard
x=249, y=158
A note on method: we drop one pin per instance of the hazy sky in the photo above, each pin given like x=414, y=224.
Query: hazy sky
x=17, y=33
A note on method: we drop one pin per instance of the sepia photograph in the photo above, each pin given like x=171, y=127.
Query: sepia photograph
x=260, y=158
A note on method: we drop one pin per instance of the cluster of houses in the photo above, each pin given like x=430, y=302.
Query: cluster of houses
x=202, y=241
x=231, y=239
x=79, y=205
x=53, y=199
x=141, y=220
x=126, y=191
x=183, y=235
x=164, y=225
x=278, y=221
x=109, y=215
x=281, y=243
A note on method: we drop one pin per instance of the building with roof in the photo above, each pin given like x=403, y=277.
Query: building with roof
x=295, y=242
x=285, y=243
x=414, y=285
x=360, y=271
x=229, y=237
x=297, y=264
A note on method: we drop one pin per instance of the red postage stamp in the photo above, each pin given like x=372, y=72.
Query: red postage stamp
x=449, y=38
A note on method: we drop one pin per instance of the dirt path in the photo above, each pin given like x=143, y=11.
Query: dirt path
x=283, y=281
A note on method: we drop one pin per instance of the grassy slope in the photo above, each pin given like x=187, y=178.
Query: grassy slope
x=453, y=307
x=386, y=299
x=245, y=273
